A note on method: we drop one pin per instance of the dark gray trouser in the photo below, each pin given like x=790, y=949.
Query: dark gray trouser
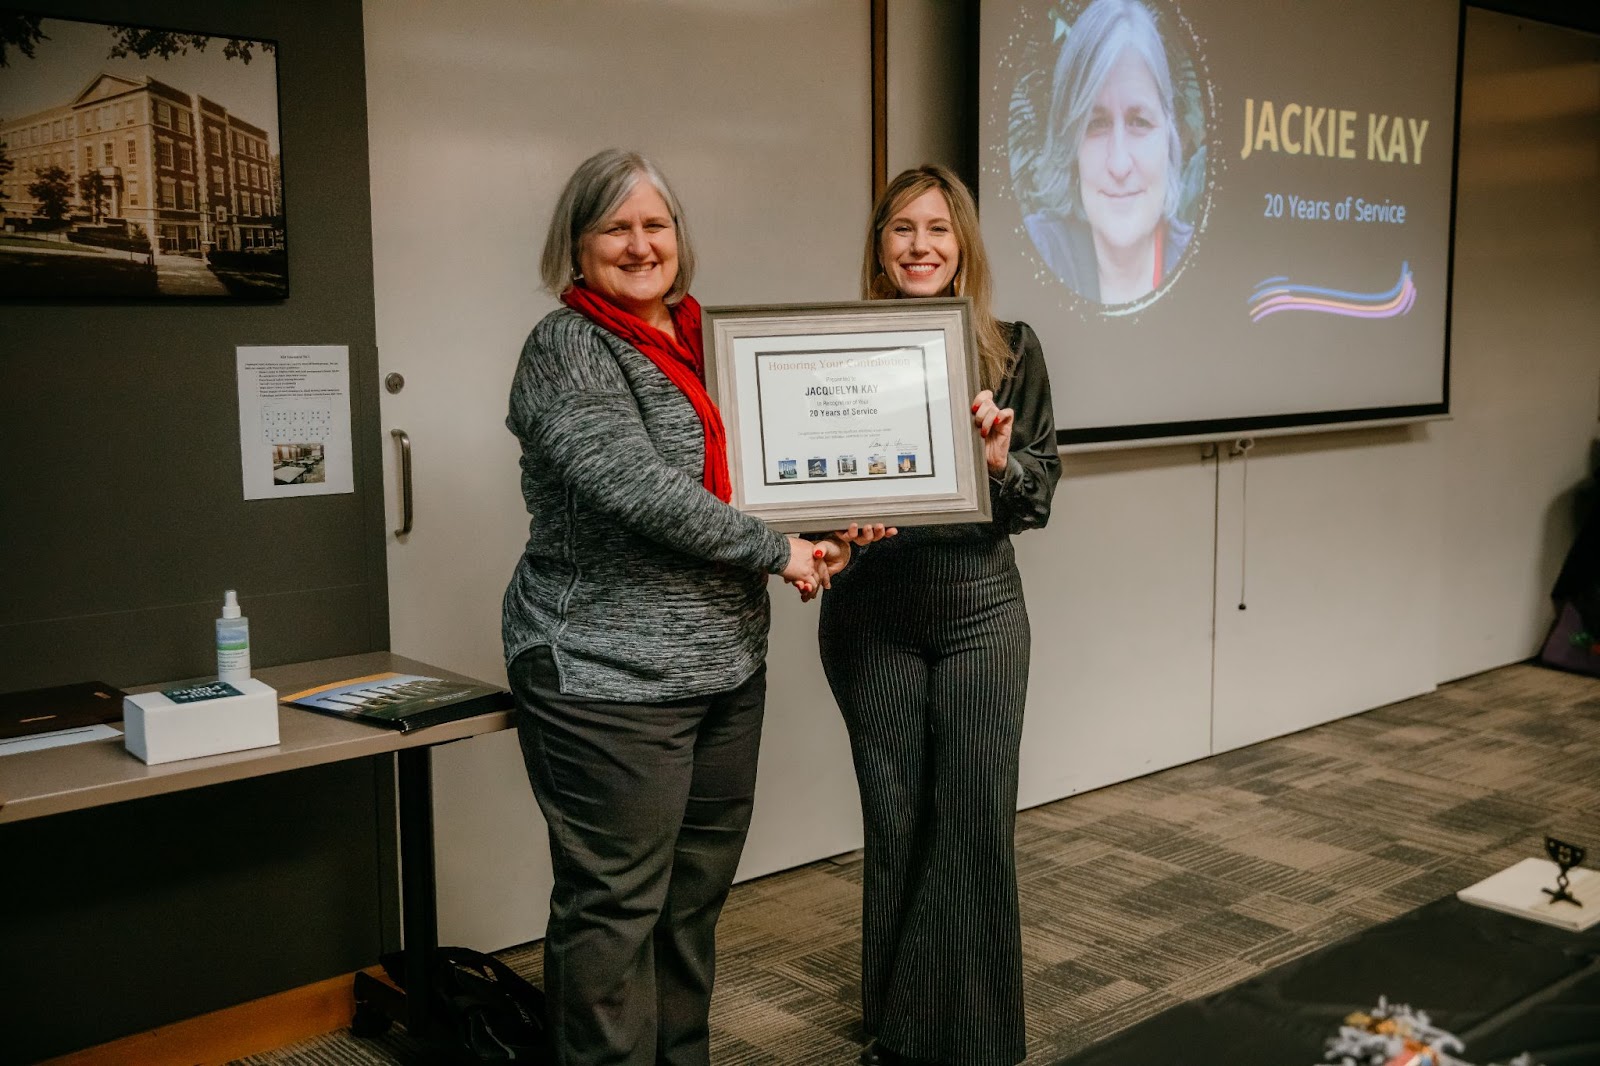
x=648, y=806
x=927, y=653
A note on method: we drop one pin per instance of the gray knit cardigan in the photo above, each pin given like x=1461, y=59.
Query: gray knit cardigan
x=645, y=586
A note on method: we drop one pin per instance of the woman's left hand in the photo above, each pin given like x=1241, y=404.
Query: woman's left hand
x=862, y=533
x=994, y=426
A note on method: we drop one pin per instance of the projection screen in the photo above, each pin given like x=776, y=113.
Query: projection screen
x=1224, y=217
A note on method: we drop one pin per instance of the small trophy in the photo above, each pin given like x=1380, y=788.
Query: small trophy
x=1566, y=856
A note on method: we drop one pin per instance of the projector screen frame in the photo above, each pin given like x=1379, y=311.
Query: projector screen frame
x=1158, y=434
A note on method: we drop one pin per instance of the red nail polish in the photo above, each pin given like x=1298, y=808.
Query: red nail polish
x=817, y=554
x=974, y=408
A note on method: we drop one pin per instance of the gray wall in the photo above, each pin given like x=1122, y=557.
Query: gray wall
x=121, y=523
x=123, y=517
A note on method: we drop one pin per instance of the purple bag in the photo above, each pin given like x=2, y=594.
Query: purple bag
x=1570, y=646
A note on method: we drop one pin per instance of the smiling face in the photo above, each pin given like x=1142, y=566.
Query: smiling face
x=918, y=247
x=631, y=257
x=1123, y=157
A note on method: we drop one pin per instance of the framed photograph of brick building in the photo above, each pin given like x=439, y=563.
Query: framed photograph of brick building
x=138, y=163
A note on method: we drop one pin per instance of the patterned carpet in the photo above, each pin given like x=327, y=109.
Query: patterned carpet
x=1145, y=894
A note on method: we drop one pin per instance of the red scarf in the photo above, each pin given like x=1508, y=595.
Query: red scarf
x=681, y=358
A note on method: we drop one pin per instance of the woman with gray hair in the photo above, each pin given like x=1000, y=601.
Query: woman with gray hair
x=1112, y=161
x=635, y=625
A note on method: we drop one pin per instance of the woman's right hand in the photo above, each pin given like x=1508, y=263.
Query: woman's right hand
x=807, y=568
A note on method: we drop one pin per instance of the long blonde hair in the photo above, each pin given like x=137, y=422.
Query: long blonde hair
x=972, y=272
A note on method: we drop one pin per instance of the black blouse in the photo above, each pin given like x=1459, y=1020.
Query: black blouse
x=1019, y=498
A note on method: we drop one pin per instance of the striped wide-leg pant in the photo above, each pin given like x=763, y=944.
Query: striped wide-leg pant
x=926, y=650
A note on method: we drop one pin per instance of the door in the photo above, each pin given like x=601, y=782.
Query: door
x=477, y=113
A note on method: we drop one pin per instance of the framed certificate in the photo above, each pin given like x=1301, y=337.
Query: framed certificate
x=849, y=412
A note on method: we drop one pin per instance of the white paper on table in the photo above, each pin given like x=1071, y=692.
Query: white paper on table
x=294, y=420
x=59, y=738
x=1519, y=890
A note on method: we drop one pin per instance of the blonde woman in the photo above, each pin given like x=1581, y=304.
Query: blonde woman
x=924, y=639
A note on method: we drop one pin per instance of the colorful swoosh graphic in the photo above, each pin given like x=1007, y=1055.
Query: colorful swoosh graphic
x=1276, y=294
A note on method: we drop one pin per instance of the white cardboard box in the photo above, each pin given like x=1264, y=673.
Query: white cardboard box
x=208, y=719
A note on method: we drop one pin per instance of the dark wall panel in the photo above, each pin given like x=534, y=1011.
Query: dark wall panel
x=120, y=919
x=121, y=523
x=1584, y=17
x=124, y=521
x=307, y=623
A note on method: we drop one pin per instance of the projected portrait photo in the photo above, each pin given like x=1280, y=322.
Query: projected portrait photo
x=1107, y=139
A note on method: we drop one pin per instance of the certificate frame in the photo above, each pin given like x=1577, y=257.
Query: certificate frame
x=849, y=412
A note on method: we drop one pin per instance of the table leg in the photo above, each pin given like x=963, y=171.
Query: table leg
x=419, y=914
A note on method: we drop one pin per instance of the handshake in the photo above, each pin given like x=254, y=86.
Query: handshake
x=812, y=563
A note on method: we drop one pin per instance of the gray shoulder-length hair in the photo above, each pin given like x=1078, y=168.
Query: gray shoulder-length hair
x=595, y=190
x=1095, y=43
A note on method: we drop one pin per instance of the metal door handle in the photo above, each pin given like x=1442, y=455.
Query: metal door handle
x=405, y=481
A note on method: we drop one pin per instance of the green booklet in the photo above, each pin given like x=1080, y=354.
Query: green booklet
x=402, y=701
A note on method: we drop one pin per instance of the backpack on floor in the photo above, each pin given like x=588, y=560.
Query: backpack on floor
x=483, y=1010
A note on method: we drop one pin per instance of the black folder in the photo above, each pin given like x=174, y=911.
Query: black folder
x=45, y=710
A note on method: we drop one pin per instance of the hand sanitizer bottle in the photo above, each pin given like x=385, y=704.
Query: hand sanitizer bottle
x=233, y=641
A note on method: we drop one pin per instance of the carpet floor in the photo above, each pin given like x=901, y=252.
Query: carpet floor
x=1152, y=892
